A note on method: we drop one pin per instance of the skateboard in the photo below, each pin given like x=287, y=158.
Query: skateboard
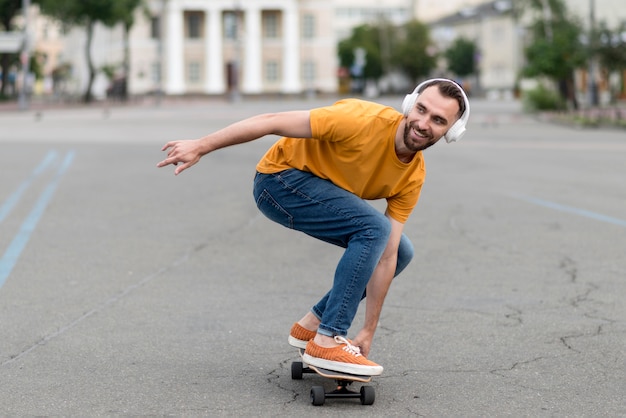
x=367, y=394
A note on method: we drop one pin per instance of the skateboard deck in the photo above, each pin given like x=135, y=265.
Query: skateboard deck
x=367, y=394
x=332, y=374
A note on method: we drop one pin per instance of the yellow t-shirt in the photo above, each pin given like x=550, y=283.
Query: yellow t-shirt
x=353, y=146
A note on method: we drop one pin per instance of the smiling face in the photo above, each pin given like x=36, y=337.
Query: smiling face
x=428, y=121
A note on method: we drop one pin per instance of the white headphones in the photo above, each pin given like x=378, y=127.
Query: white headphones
x=457, y=130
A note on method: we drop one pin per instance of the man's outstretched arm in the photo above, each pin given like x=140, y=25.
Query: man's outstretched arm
x=295, y=124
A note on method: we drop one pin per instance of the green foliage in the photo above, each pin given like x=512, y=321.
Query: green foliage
x=366, y=37
x=555, y=50
x=410, y=53
x=556, y=57
x=86, y=13
x=77, y=12
x=124, y=11
x=541, y=99
x=460, y=56
x=404, y=48
x=81, y=12
x=109, y=71
x=8, y=10
x=611, y=47
x=35, y=64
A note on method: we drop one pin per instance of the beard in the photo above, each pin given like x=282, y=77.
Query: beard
x=415, y=147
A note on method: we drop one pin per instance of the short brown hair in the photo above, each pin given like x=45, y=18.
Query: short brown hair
x=449, y=88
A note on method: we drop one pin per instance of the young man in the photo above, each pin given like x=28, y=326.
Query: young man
x=316, y=179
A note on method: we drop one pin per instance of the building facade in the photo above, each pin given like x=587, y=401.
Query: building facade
x=218, y=47
x=206, y=47
x=500, y=37
x=252, y=47
x=224, y=46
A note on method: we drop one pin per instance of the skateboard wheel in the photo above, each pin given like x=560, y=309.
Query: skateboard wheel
x=296, y=370
x=368, y=395
x=318, y=395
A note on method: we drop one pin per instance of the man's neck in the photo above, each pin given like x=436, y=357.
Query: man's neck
x=405, y=155
x=406, y=158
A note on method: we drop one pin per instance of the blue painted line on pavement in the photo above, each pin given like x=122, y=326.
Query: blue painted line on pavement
x=10, y=203
x=13, y=252
x=573, y=210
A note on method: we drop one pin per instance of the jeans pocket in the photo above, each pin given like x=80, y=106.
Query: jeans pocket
x=270, y=208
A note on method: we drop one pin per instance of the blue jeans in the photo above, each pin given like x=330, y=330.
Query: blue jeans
x=302, y=201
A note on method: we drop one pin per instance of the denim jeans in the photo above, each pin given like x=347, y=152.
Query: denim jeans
x=302, y=201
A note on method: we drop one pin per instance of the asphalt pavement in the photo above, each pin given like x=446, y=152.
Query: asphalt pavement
x=126, y=290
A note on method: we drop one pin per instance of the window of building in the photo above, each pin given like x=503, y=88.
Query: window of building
x=272, y=71
x=230, y=25
x=155, y=27
x=271, y=22
x=308, y=71
x=308, y=26
x=193, y=25
x=155, y=72
x=193, y=72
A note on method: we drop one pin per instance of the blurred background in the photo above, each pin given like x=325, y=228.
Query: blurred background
x=555, y=54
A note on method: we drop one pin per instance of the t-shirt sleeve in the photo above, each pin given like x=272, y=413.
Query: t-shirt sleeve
x=400, y=207
x=336, y=122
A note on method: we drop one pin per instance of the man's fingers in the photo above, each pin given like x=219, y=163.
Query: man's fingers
x=166, y=146
x=177, y=156
x=167, y=161
x=181, y=168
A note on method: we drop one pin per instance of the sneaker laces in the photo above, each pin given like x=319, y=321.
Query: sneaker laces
x=352, y=349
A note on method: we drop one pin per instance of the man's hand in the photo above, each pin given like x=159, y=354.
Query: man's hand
x=363, y=340
x=186, y=152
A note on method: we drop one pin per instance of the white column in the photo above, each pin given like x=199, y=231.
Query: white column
x=291, y=51
x=252, y=71
x=174, y=50
x=214, y=63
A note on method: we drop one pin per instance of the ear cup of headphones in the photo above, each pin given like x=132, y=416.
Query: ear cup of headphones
x=409, y=102
x=456, y=131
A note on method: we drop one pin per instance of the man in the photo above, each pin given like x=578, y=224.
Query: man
x=316, y=179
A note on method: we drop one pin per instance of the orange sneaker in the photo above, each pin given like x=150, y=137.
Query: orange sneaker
x=344, y=358
x=300, y=336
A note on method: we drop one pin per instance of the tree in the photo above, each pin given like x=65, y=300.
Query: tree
x=556, y=50
x=406, y=48
x=8, y=10
x=365, y=37
x=611, y=49
x=461, y=57
x=124, y=12
x=412, y=50
x=87, y=13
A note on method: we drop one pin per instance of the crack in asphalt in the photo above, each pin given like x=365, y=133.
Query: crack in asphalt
x=99, y=308
x=515, y=366
x=570, y=268
x=273, y=378
x=125, y=292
